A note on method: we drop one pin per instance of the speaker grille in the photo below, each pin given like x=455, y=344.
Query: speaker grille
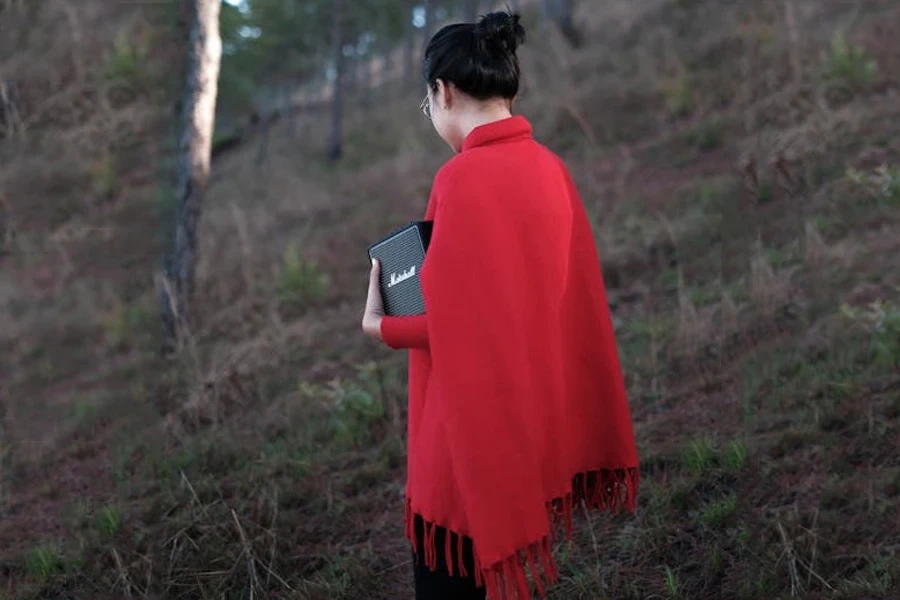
x=401, y=255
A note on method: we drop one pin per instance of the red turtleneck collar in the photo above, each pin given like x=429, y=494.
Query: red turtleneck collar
x=510, y=129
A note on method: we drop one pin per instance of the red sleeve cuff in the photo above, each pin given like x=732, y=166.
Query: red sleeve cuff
x=405, y=332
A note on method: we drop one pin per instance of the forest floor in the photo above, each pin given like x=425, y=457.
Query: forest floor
x=744, y=182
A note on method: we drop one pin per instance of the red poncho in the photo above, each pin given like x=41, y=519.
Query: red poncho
x=517, y=406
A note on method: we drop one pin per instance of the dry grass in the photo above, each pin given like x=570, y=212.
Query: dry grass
x=267, y=457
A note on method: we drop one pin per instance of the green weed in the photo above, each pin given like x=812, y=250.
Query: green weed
x=633, y=591
x=776, y=257
x=679, y=95
x=104, y=178
x=847, y=67
x=300, y=281
x=356, y=407
x=286, y=455
x=673, y=585
x=334, y=581
x=699, y=457
x=715, y=192
x=127, y=451
x=45, y=561
x=756, y=586
x=108, y=521
x=706, y=136
x=715, y=561
x=823, y=172
x=125, y=324
x=658, y=498
x=881, y=321
x=717, y=513
x=169, y=467
x=128, y=63
x=734, y=456
x=765, y=191
x=393, y=452
x=670, y=279
x=880, y=576
x=85, y=411
x=882, y=184
x=581, y=582
x=703, y=295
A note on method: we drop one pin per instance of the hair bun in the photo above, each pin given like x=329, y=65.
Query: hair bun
x=501, y=28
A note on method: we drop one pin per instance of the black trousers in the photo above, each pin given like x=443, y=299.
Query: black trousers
x=439, y=584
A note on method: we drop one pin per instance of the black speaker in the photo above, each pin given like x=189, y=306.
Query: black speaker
x=401, y=254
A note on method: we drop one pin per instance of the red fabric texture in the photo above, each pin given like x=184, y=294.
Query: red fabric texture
x=405, y=332
x=517, y=406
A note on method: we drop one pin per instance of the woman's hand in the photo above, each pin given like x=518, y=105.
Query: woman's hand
x=371, y=322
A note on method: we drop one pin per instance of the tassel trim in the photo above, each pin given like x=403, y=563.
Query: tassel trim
x=607, y=489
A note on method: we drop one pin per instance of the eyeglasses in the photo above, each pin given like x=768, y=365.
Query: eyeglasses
x=425, y=107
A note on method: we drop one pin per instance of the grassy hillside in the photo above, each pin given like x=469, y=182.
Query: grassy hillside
x=741, y=162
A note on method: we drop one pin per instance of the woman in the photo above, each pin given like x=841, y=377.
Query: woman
x=517, y=407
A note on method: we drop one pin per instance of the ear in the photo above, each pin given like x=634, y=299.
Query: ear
x=445, y=94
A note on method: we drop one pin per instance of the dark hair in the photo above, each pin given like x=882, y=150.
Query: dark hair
x=478, y=58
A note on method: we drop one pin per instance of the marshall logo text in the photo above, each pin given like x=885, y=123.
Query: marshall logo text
x=403, y=276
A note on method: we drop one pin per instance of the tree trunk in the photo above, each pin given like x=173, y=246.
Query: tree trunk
x=10, y=119
x=289, y=107
x=335, y=149
x=198, y=110
x=471, y=11
x=351, y=72
x=365, y=82
x=378, y=69
x=559, y=12
x=359, y=72
x=410, y=44
x=426, y=34
x=387, y=67
x=426, y=27
x=270, y=112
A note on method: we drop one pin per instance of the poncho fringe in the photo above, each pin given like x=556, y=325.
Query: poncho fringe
x=612, y=490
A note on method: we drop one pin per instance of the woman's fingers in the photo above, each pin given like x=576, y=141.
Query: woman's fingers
x=374, y=303
x=374, y=281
